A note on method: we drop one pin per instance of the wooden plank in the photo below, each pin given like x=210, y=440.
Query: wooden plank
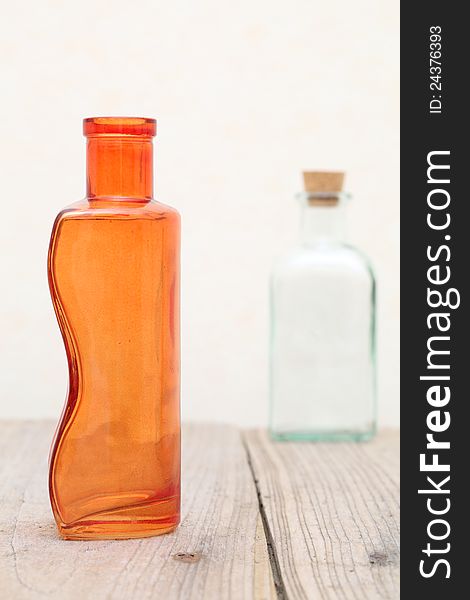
x=333, y=515
x=219, y=551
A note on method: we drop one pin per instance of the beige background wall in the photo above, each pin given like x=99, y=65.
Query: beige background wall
x=247, y=93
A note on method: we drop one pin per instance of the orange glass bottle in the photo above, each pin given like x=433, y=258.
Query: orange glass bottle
x=114, y=279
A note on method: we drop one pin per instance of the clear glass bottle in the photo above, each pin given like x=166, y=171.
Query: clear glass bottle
x=322, y=350
x=114, y=279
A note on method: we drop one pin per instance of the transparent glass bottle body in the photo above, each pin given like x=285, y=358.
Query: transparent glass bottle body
x=322, y=350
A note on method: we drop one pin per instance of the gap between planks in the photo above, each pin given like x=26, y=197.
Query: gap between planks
x=279, y=586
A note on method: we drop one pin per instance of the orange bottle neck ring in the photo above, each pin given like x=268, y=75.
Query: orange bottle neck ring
x=119, y=157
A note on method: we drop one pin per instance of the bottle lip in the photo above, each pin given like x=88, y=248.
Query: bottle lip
x=119, y=126
x=323, y=198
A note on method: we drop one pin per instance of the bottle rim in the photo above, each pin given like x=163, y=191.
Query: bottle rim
x=323, y=198
x=119, y=126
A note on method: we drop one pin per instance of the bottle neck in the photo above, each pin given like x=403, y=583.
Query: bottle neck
x=322, y=224
x=119, y=167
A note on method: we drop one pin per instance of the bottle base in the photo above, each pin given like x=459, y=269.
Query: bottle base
x=124, y=522
x=322, y=436
x=116, y=530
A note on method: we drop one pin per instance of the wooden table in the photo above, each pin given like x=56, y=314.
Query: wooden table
x=259, y=520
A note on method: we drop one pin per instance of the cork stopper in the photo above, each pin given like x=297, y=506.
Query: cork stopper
x=319, y=185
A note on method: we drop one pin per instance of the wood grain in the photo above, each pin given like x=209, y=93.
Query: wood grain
x=259, y=519
x=331, y=513
x=219, y=551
